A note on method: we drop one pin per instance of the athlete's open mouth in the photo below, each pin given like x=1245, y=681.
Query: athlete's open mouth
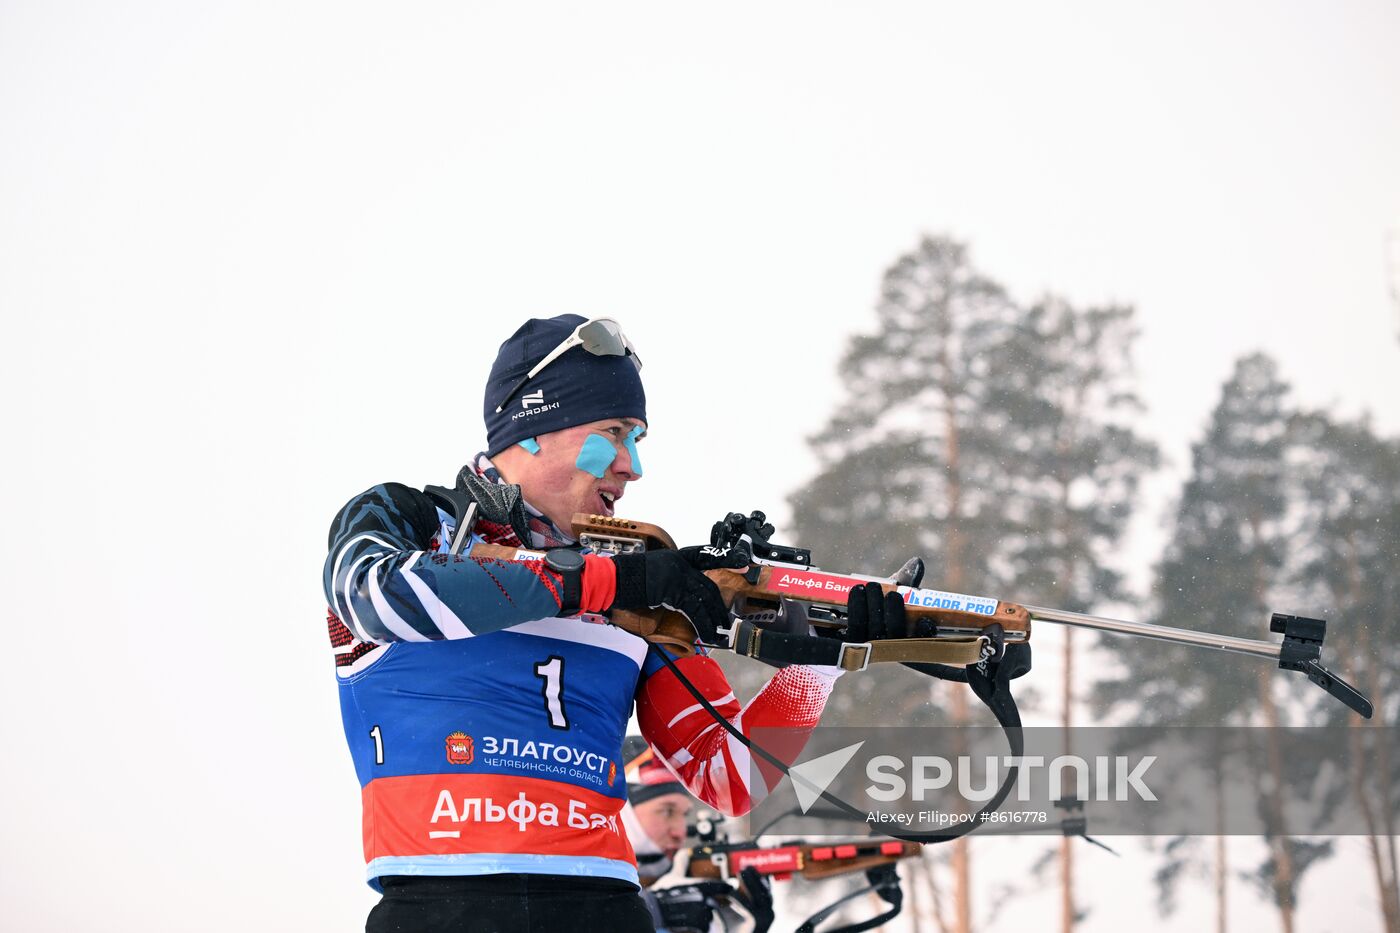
x=608, y=497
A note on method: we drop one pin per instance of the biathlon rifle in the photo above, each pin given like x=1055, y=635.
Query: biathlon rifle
x=726, y=860
x=716, y=858
x=750, y=864
x=875, y=857
x=982, y=641
x=970, y=629
x=719, y=858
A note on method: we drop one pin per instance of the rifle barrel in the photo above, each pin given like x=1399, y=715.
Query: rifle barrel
x=1254, y=646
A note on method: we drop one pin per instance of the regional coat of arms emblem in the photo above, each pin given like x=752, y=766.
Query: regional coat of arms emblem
x=459, y=749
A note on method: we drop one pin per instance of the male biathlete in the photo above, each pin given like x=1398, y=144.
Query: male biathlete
x=656, y=819
x=485, y=701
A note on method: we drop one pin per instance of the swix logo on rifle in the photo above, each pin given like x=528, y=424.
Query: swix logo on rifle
x=711, y=551
x=986, y=654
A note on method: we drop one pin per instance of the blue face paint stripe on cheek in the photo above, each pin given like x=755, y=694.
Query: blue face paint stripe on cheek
x=531, y=445
x=596, y=455
x=631, y=444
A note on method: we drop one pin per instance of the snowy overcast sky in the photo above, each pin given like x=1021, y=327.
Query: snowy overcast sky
x=257, y=257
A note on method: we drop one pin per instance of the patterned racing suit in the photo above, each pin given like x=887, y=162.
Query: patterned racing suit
x=486, y=730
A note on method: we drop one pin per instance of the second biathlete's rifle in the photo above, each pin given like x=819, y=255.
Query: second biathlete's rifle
x=748, y=863
x=876, y=858
x=727, y=860
x=715, y=858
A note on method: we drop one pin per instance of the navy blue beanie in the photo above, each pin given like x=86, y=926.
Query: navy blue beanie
x=575, y=389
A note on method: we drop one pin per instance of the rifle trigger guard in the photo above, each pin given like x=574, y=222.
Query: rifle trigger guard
x=853, y=666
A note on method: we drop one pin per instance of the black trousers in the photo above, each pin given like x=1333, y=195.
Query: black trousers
x=508, y=904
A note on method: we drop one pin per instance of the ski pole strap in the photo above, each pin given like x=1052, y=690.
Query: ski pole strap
x=784, y=648
x=884, y=882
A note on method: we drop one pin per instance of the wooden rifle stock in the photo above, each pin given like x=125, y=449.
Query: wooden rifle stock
x=814, y=863
x=761, y=588
x=662, y=626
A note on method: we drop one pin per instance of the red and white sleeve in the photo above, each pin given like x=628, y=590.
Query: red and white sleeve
x=714, y=765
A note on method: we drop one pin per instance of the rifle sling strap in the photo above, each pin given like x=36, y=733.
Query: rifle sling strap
x=885, y=882
x=784, y=648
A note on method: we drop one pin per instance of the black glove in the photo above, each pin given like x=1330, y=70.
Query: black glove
x=872, y=614
x=690, y=907
x=756, y=894
x=673, y=579
x=885, y=880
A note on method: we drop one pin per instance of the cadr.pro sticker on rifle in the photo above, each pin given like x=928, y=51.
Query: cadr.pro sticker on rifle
x=937, y=599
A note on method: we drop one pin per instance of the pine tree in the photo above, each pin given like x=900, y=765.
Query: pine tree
x=1227, y=555
x=990, y=440
x=1350, y=483
x=910, y=463
x=1066, y=396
